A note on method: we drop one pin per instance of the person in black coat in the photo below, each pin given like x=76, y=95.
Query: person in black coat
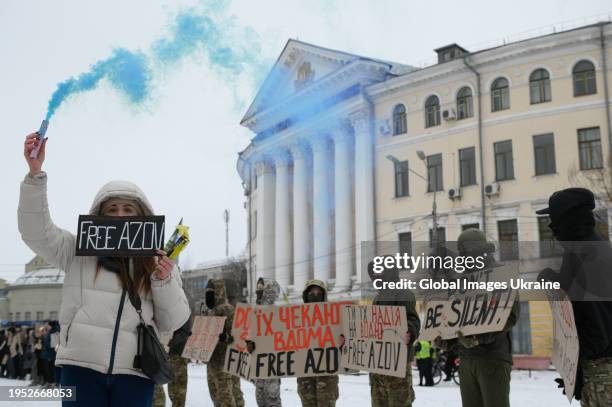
x=586, y=277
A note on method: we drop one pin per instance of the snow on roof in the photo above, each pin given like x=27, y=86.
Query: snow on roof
x=48, y=276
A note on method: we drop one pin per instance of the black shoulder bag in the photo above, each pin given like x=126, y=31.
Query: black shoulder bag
x=151, y=357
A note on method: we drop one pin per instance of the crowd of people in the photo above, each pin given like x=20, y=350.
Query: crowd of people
x=101, y=327
x=28, y=353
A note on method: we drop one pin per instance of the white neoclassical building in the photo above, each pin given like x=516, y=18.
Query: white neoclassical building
x=310, y=168
x=349, y=149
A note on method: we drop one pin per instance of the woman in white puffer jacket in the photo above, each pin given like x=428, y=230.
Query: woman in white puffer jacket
x=98, y=337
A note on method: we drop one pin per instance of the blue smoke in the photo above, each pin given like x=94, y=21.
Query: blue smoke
x=230, y=50
x=127, y=71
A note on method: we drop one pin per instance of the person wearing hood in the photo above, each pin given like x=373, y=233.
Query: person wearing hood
x=585, y=277
x=221, y=385
x=486, y=359
x=390, y=390
x=267, y=391
x=317, y=391
x=98, y=335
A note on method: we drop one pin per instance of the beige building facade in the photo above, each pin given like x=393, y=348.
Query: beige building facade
x=349, y=149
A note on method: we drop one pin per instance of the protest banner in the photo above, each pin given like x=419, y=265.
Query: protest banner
x=204, y=338
x=119, y=236
x=291, y=341
x=237, y=358
x=373, y=339
x=565, y=342
x=471, y=311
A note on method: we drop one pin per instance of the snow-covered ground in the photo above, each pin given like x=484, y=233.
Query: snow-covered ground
x=535, y=391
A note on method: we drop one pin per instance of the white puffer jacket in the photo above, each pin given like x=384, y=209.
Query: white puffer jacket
x=94, y=332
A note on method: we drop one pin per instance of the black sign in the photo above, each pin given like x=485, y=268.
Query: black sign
x=119, y=236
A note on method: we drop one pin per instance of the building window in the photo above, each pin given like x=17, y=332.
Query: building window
x=467, y=166
x=544, y=154
x=434, y=173
x=441, y=237
x=405, y=243
x=549, y=246
x=401, y=178
x=399, y=120
x=27, y=316
x=601, y=223
x=53, y=315
x=432, y=111
x=500, y=95
x=589, y=148
x=521, y=332
x=508, y=239
x=17, y=316
x=39, y=315
x=464, y=103
x=504, y=169
x=584, y=78
x=470, y=226
x=10, y=316
x=539, y=86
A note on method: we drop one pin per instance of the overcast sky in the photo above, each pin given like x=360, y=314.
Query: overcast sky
x=182, y=148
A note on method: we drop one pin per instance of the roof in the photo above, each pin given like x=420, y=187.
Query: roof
x=43, y=276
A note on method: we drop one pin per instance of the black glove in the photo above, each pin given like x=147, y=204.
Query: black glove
x=225, y=338
x=560, y=384
x=577, y=387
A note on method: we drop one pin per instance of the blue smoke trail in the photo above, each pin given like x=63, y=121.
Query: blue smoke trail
x=231, y=50
x=127, y=72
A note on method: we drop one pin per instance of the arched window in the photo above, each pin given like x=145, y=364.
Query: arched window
x=584, y=78
x=432, y=111
x=399, y=119
x=539, y=86
x=500, y=95
x=464, y=103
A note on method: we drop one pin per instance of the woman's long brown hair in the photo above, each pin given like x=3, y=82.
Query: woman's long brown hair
x=144, y=267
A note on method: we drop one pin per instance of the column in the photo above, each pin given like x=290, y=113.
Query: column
x=343, y=190
x=364, y=184
x=265, y=219
x=283, y=239
x=301, y=217
x=322, y=208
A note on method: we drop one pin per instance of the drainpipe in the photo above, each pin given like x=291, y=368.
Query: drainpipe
x=480, y=144
x=604, y=65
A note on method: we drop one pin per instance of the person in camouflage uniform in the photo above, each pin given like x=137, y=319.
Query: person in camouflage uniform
x=223, y=389
x=177, y=388
x=391, y=391
x=318, y=391
x=486, y=359
x=267, y=391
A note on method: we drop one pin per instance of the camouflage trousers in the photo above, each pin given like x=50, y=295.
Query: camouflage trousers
x=267, y=392
x=224, y=388
x=319, y=391
x=391, y=391
x=597, y=383
x=177, y=389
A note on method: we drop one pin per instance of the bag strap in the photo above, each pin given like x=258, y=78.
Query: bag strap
x=133, y=296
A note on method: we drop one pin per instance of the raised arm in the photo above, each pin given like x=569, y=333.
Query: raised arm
x=56, y=246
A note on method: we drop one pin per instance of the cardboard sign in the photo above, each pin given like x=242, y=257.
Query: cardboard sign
x=470, y=311
x=565, y=343
x=237, y=358
x=298, y=340
x=204, y=338
x=119, y=236
x=373, y=339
